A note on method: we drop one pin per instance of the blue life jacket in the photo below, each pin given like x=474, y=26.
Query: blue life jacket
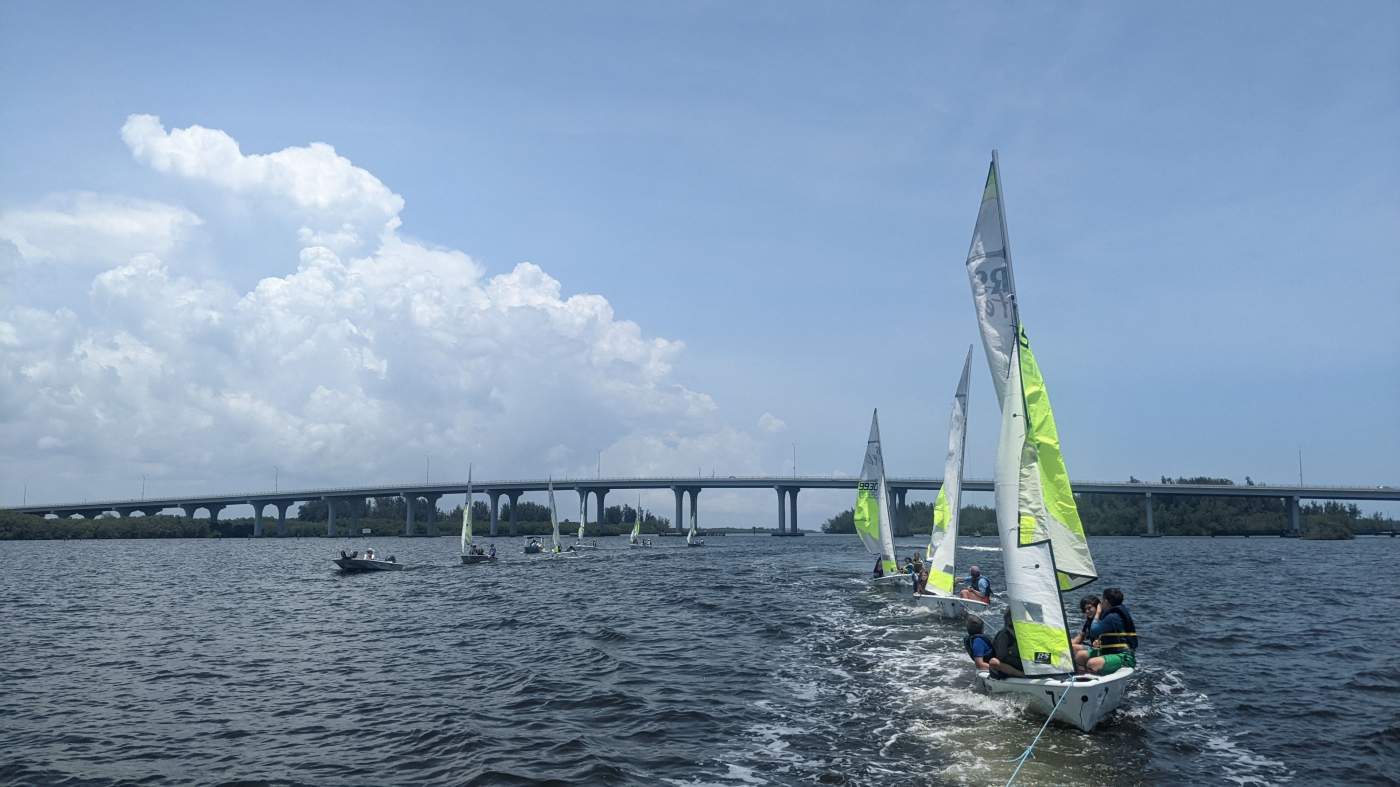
x=1120, y=634
x=967, y=645
x=975, y=583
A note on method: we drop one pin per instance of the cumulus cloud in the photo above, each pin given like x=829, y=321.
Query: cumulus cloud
x=348, y=368
x=771, y=423
x=341, y=205
x=93, y=229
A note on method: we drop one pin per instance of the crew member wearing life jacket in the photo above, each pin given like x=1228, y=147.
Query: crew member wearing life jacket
x=1114, y=636
x=978, y=645
x=1006, y=657
x=1089, y=608
x=979, y=588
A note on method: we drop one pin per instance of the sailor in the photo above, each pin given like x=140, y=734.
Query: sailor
x=1089, y=607
x=1006, y=657
x=978, y=645
x=879, y=568
x=979, y=588
x=920, y=574
x=492, y=553
x=1114, y=635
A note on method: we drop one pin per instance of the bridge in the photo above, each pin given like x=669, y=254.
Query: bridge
x=786, y=487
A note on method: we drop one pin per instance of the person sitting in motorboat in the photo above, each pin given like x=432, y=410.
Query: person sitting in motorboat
x=979, y=588
x=1006, y=657
x=1114, y=635
x=977, y=644
x=369, y=553
x=1089, y=607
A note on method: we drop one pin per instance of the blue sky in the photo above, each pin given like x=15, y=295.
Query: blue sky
x=1202, y=203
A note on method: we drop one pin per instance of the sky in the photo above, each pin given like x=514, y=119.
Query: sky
x=348, y=243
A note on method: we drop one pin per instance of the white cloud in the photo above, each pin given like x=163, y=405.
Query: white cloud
x=771, y=423
x=349, y=368
x=94, y=228
x=341, y=205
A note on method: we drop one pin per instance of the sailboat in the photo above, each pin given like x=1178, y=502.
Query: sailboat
x=690, y=539
x=635, y=540
x=943, y=540
x=1042, y=539
x=470, y=552
x=873, y=511
x=557, y=546
x=582, y=523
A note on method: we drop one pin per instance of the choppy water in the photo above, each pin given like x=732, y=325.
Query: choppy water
x=755, y=660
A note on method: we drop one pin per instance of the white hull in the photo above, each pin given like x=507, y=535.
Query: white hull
x=950, y=606
x=1091, y=697
x=892, y=581
x=352, y=565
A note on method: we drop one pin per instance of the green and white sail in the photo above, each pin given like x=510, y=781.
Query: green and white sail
x=873, y=510
x=637, y=524
x=694, y=521
x=943, y=539
x=1043, y=544
x=467, y=515
x=553, y=518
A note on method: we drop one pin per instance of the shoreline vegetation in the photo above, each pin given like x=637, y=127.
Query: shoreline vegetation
x=1173, y=515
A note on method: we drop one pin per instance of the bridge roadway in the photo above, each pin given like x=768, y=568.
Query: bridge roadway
x=786, y=487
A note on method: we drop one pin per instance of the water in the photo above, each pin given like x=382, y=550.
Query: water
x=755, y=660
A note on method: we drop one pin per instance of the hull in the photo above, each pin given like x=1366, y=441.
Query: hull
x=533, y=549
x=577, y=547
x=950, y=606
x=1091, y=697
x=639, y=546
x=352, y=565
x=892, y=582
x=468, y=560
x=696, y=543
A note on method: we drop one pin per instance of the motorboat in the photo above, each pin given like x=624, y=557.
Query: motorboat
x=354, y=564
x=533, y=547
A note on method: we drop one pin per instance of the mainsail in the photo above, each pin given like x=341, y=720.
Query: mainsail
x=553, y=517
x=467, y=515
x=637, y=524
x=943, y=540
x=872, y=497
x=582, y=515
x=1043, y=544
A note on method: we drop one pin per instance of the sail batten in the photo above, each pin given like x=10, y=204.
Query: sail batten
x=943, y=539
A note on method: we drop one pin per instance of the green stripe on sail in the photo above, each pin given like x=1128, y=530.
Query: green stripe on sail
x=990, y=191
x=1041, y=645
x=1043, y=448
x=941, y=580
x=941, y=515
x=890, y=567
x=867, y=517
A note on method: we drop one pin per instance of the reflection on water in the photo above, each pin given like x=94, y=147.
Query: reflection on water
x=752, y=661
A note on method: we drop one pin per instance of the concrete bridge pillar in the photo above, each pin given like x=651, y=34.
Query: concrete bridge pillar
x=680, y=496
x=409, y=500
x=355, y=506
x=1151, y=526
x=330, y=516
x=495, y=505
x=514, y=498
x=188, y=511
x=432, y=513
x=599, y=496
x=126, y=512
x=257, y=519
x=793, y=525
x=282, y=506
x=214, y=513
x=1294, y=526
x=782, y=510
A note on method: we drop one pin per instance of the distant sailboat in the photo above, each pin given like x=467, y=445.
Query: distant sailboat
x=635, y=540
x=690, y=539
x=1042, y=539
x=943, y=540
x=873, y=511
x=582, y=523
x=470, y=552
x=554, y=522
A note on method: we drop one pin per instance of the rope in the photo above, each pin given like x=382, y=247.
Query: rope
x=1030, y=750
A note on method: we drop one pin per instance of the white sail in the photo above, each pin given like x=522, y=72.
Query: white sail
x=694, y=522
x=467, y=515
x=1043, y=544
x=943, y=539
x=553, y=517
x=637, y=524
x=873, y=511
x=582, y=514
